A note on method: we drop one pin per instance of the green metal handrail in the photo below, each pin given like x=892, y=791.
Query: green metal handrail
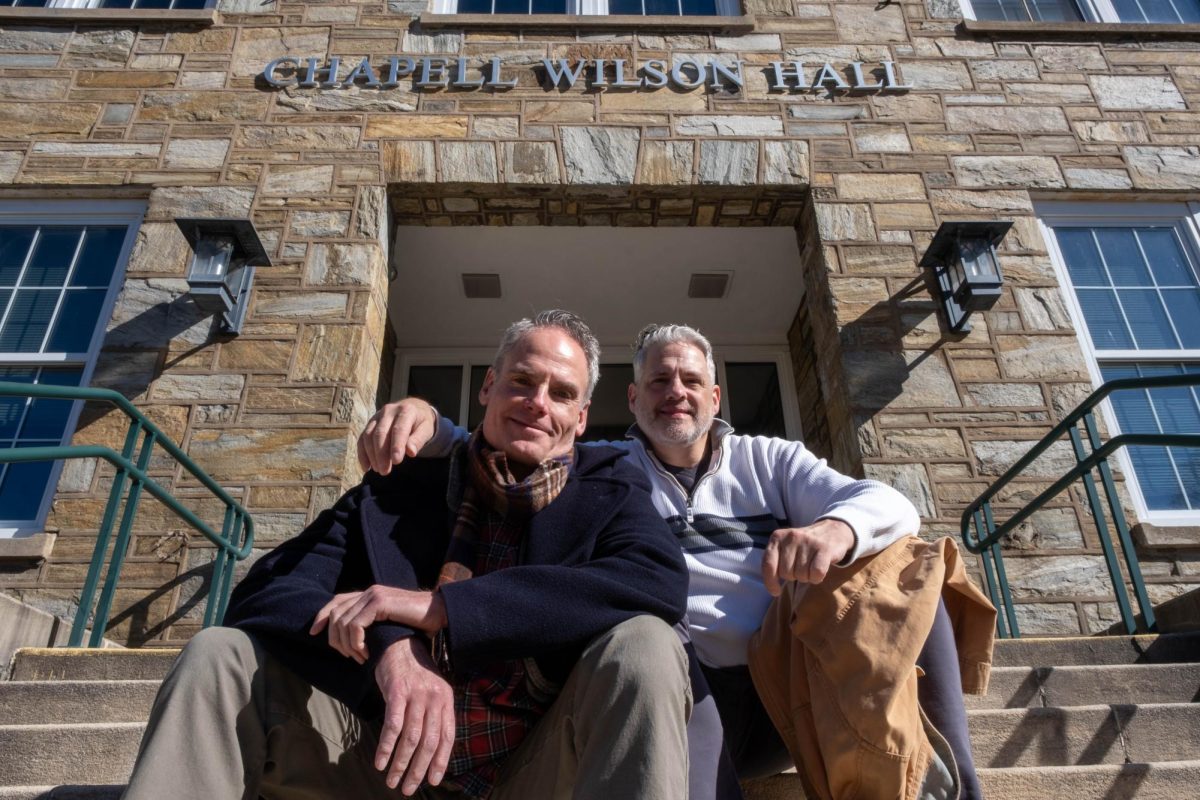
x=233, y=542
x=977, y=518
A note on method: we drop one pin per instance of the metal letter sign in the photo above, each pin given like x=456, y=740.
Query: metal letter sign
x=434, y=73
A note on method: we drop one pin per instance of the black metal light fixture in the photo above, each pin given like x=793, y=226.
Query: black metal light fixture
x=224, y=254
x=962, y=256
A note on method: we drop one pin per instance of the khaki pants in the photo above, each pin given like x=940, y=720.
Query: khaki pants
x=232, y=722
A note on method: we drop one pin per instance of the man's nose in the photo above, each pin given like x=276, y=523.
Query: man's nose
x=538, y=397
x=676, y=387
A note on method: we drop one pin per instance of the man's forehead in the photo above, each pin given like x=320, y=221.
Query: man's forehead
x=675, y=355
x=546, y=347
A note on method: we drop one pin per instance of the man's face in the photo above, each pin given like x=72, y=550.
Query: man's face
x=675, y=400
x=535, y=405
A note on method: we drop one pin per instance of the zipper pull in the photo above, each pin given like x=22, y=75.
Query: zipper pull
x=691, y=517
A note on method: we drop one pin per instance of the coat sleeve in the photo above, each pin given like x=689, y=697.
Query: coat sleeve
x=877, y=513
x=282, y=593
x=635, y=567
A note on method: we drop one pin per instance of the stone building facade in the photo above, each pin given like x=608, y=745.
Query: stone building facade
x=173, y=114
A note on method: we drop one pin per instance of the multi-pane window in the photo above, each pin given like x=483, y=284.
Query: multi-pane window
x=591, y=7
x=56, y=289
x=146, y=4
x=1137, y=301
x=1160, y=11
x=1026, y=10
x=1157, y=10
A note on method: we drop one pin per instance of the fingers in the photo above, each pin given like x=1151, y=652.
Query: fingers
x=431, y=734
x=795, y=554
x=378, y=446
x=770, y=566
x=393, y=724
x=407, y=743
x=441, y=757
x=341, y=617
x=364, y=456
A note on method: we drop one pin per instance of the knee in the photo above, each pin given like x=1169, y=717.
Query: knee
x=216, y=654
x=642, y=653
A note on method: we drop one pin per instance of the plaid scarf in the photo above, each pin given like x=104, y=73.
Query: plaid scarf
x=496, y=706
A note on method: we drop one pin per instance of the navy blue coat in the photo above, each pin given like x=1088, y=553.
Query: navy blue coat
x=597, y=556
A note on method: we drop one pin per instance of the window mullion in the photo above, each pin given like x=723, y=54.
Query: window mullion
x=62, y=294
x=1099, y=10
x=1116, y=294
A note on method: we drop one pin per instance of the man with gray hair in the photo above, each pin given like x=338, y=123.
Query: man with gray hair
x=775, y=541
x=491, y=624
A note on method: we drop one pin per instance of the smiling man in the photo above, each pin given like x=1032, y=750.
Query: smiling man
x=809, y=579
x=491, y=624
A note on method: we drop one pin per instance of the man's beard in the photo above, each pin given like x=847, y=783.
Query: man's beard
x=683, y=432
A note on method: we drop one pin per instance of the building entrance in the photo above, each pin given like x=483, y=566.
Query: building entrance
x=456, y=288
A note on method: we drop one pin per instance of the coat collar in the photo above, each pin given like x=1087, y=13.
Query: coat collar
x=584, y=506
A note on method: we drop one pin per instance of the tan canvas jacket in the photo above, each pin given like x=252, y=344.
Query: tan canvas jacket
x=835, y=666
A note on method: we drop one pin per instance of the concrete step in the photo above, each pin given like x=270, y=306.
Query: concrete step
x=81, y=792
x=82, y=664
x=1101, y=734
x=1167, y=648
x=68, y=702
x=87, y=753
x=1030, y=687
x=1174, y=780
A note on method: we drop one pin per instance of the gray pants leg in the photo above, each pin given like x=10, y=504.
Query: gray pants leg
x=617, y=730
x=231, y=722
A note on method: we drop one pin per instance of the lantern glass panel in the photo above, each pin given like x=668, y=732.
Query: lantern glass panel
x=212, y=258
x=978, y=262
x=954, y=269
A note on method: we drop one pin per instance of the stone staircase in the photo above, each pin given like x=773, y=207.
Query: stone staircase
x=1078, y=719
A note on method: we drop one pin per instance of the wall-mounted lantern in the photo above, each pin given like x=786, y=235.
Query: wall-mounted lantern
x=962, y=256
x=224, y=254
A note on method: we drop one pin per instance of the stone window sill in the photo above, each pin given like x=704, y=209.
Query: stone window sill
x=1090, y=30
x=28, y=549
x=1158, y=537
x=70, y=16
x=589, y=21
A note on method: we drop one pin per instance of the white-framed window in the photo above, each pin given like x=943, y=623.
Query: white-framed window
x=61, y=266
x=757, y=389
x=135, y=4
x=1133, y=277
x=1159, y=11
x=673, y=8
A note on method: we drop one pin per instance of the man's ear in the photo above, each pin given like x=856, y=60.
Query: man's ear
x=631, y=393
x=717, y=399
x=582, y=425
x=485, y=391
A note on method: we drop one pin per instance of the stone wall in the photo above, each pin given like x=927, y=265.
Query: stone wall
x=176, y=115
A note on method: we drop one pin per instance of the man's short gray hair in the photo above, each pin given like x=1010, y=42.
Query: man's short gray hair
x=657, y=335
x=569, y=323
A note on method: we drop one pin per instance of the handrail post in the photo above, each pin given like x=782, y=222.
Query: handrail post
x=222, y=599
x=1122, y=525
x=989, y=578
x=1110, y=555
x=120, y=548
x=1001, y=574
x=102, y=536
x=218, y=575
